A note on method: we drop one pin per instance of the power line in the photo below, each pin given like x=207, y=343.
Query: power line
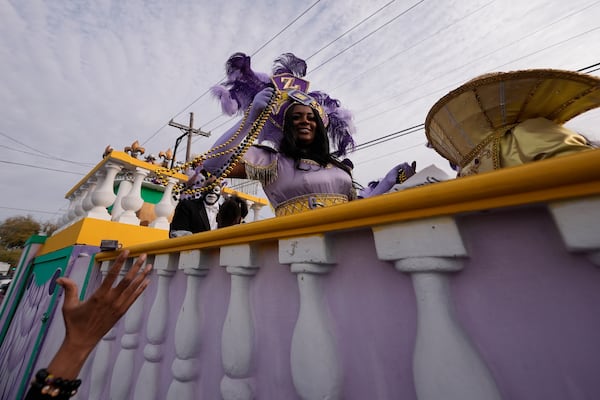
x=284, y=28
x=22, y=144
x=594, y=70
x=453, y=85
x=41, y=152
x=588, y=67
x=390, y=136
x=381, y=156
x=44, y=168
x=368, y=35
x=417, y=128
x=377, y=103
x=28, y=210
x=42, y=156
x=550, y=46
x=179, y=113
x=220, y=115
x=389, y=59
x=348, y=31
x=218, y=126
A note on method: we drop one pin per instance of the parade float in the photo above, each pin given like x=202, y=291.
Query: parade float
x=480, y=287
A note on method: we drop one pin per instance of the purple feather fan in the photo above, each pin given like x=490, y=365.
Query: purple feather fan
x=242, y=84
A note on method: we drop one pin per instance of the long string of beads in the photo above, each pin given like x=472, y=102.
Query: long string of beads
x=162, y=172
x=238, y=152
x=241, y=148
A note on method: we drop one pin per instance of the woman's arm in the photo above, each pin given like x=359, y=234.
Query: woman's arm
x=403, y=171
x=230, y=140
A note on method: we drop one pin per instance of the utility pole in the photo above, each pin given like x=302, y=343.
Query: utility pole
x=189, y=131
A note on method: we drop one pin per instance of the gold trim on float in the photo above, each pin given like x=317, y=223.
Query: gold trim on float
x=560, y=178
x=90, y=231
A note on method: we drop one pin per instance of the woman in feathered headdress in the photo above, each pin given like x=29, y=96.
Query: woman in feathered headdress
x=285, y=137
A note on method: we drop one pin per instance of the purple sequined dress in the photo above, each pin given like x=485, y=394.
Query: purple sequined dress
x=283, y=182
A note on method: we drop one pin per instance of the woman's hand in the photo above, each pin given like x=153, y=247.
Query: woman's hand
x=398, y=174
x=88, y=321
x=260, y=102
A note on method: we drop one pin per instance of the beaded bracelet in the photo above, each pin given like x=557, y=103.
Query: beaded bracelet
x=48, y=385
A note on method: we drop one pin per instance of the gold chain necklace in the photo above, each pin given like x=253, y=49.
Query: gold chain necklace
x=238, y=152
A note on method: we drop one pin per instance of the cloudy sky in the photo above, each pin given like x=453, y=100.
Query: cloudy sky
x=80, y=75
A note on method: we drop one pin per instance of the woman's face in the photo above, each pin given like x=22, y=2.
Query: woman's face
x=304, y=125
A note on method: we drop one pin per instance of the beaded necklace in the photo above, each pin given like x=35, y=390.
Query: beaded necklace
x=237, y=152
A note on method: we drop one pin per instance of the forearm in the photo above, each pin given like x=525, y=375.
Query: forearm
x=59, y=381
x=228, y=141
x=68, y=361
x=231, y=139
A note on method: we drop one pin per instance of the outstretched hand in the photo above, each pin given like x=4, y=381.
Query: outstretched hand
x=398, y=174
x=88, y=321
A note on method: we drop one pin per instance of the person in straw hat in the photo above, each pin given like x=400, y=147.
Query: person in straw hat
x=504, y=119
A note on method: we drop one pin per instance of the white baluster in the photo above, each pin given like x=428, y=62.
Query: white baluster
x=75, y=203
x=238, y=329
x=101, y=363
x=194, y=264
x=316, y=369
x=79, y=211
x=87, y=203
x=255, y=207
x=445, y=363
x=164, y=207
x=133, y=201
x=70, y=213
x=147, y=386
x=123, y=372
x=578, y=222
x=104, y=195
x=124, y=189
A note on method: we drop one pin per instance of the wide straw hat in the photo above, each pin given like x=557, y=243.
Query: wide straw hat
x=464, y=120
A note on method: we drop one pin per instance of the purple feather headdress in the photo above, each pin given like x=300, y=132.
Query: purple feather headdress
x=340, y=128
x=290, y=64
x=242, y=84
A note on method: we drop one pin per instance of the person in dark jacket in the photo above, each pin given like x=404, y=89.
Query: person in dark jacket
x=232, y=212
x=196, y=215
